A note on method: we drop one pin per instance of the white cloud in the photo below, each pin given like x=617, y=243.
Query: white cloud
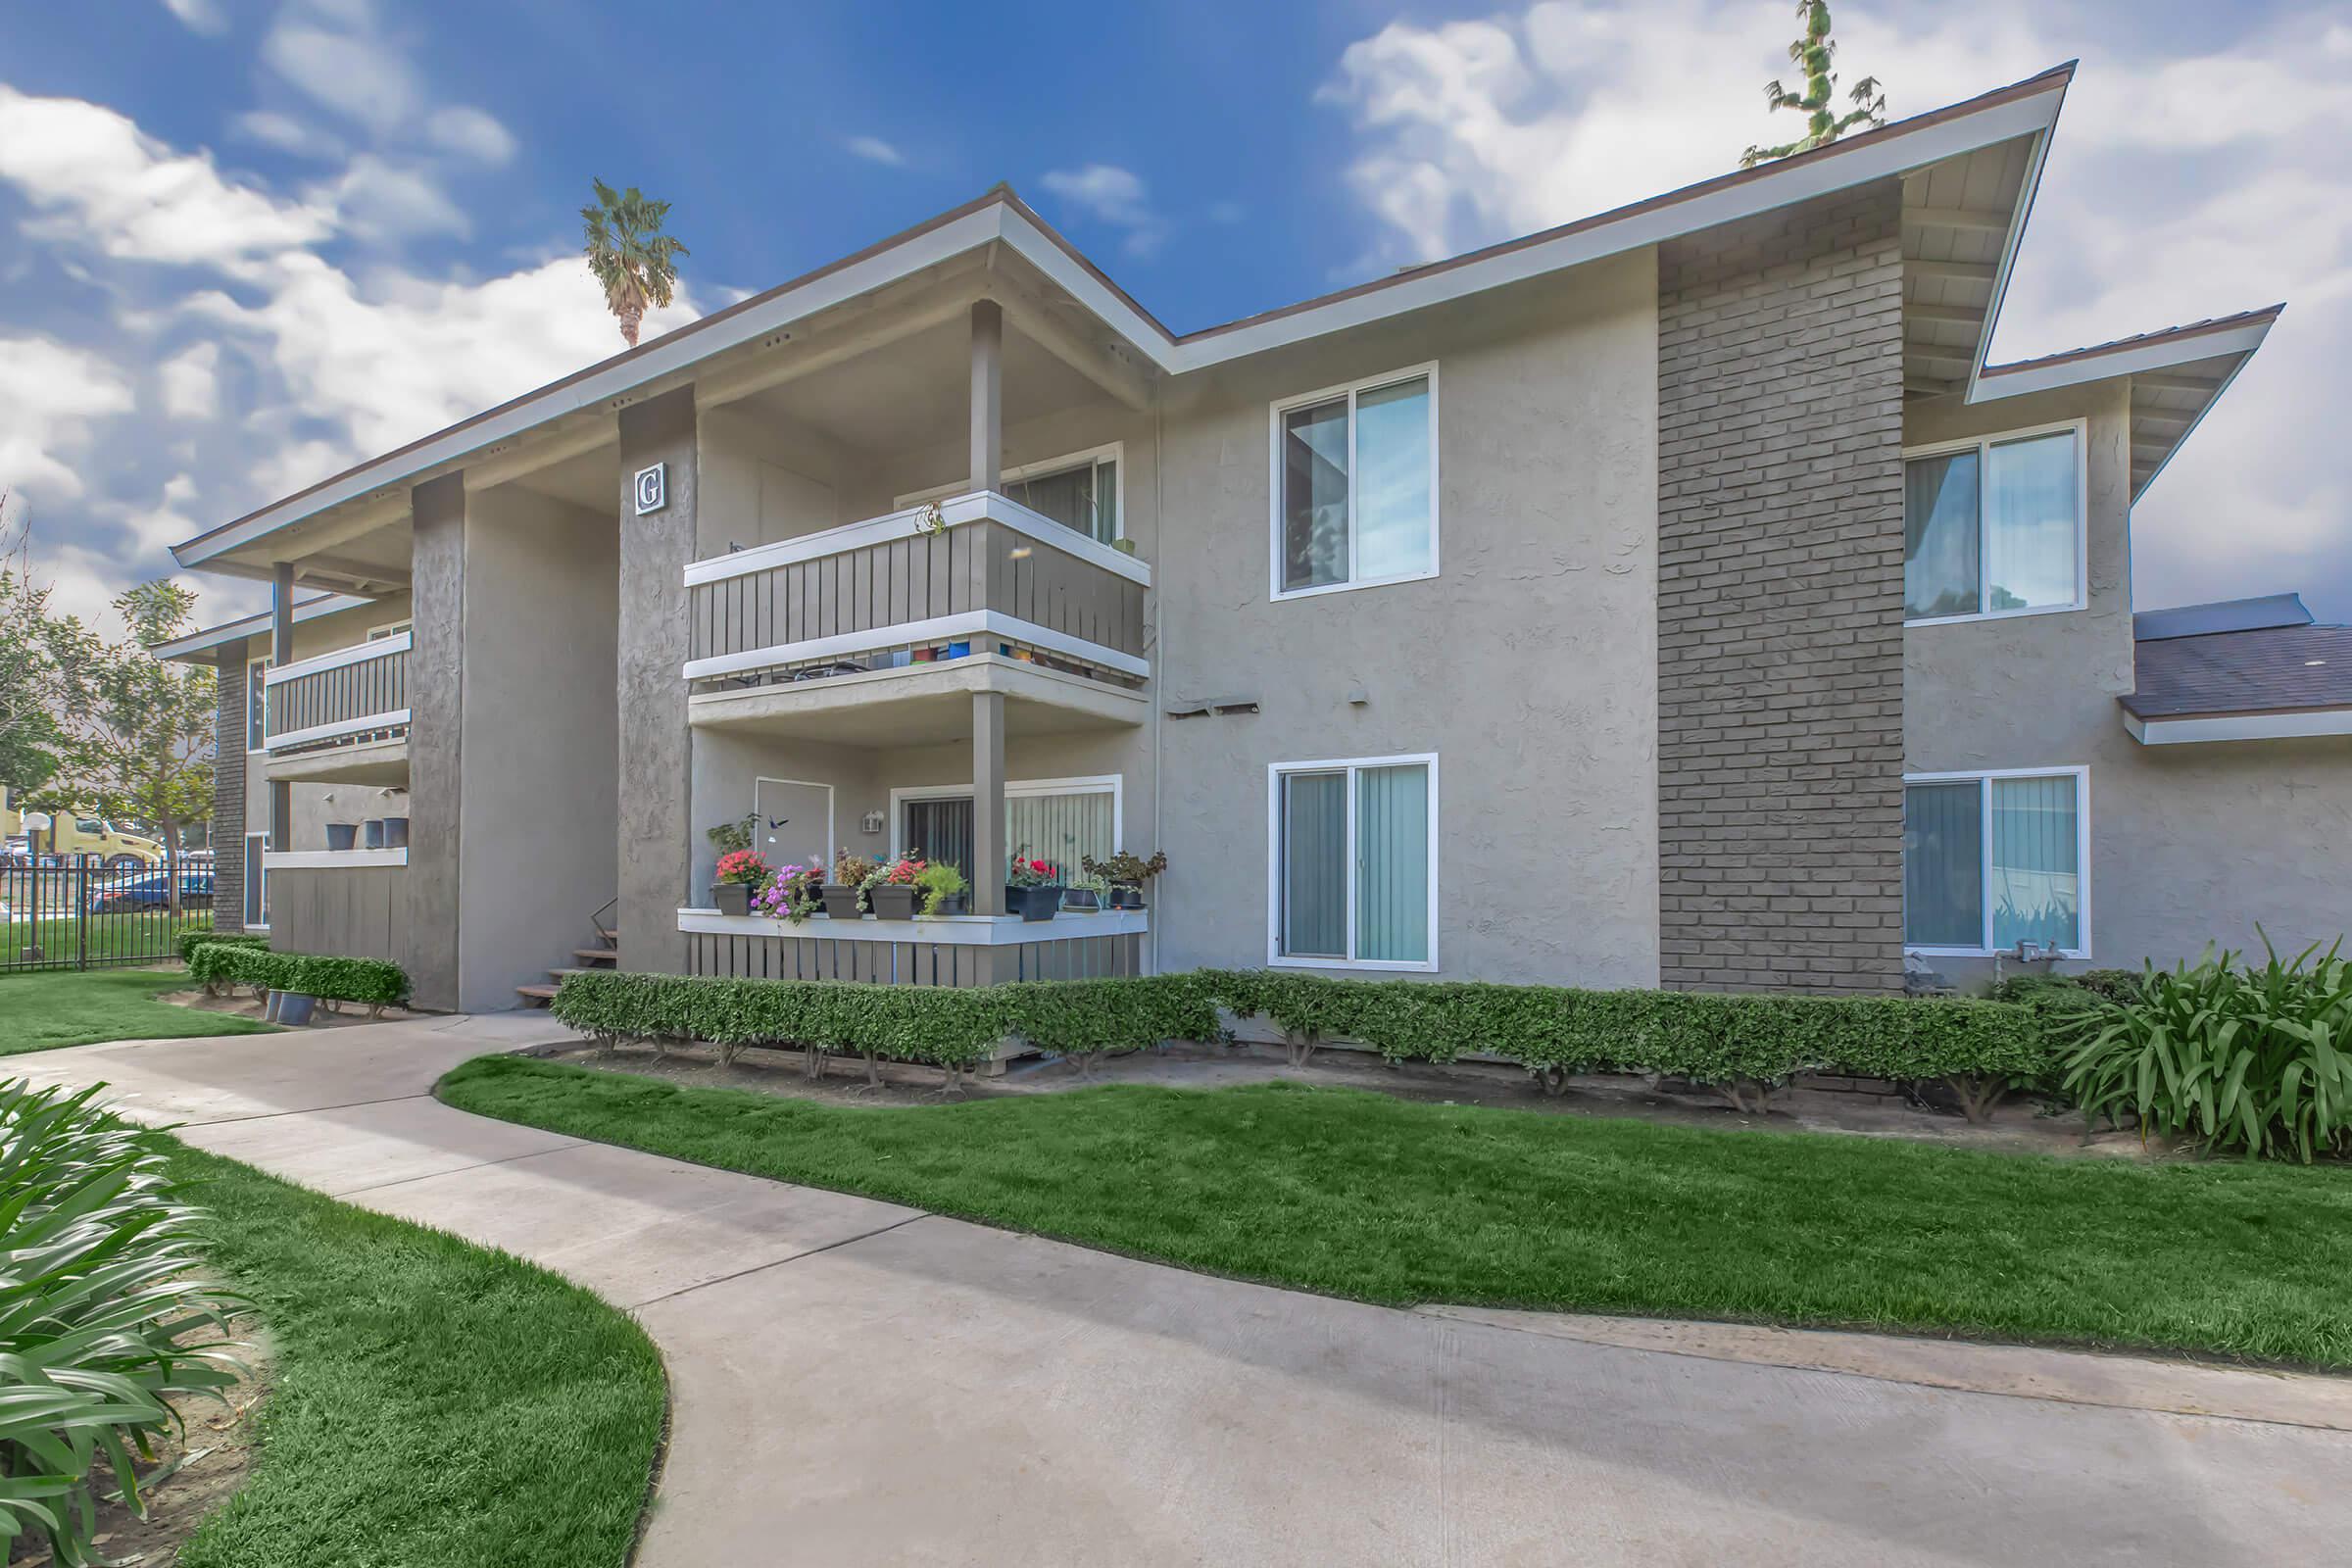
x=286, y=134
x=2179, y=188
x=96, y=177
x=1115, y=196
x=50, y=397
x=334, y=55
x=875, y=150
x=190, y=382
x=198, y=16
x=470, y=132
x=378, y=200
x=156, y=528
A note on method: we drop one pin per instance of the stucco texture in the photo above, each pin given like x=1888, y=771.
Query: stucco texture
x=1528, y=664
x=2190, y=843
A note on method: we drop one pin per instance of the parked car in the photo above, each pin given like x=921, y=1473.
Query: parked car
x=153, y=891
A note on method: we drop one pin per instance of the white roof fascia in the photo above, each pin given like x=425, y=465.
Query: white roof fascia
x=196, y=642
x=1651, y=223
x=2131, y=359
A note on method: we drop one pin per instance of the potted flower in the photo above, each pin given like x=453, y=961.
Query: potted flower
x=890, y=889
x=943, y=887
x=793, y=894
x=1086, y=892
x=738, y=873
x=1032, y=888
x=1127, y=873
x=845, y=893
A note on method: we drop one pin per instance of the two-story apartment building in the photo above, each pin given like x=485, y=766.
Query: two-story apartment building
x=1675, y=596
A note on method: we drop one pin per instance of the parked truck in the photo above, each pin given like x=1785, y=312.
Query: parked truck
x=73, y=833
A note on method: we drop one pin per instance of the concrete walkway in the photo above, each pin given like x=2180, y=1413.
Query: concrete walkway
x=860, y=1382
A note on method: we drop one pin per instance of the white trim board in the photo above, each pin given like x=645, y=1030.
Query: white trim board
x=980, y=506
x=341, y=728
x=336, y=659
x=970, y=623
x=668, y=361
x=330, y=859
x=944, y=930
x=2293, y=724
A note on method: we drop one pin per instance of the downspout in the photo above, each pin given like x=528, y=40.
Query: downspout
x=1160, y=625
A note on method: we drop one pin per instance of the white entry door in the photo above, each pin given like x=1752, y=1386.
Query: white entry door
x=794, y=822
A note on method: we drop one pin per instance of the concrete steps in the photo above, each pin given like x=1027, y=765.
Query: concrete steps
x=595, y=960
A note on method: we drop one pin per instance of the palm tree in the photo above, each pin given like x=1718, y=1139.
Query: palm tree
x=629, y=254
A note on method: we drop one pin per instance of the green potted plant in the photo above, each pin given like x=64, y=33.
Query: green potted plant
x=943, y=887
x=738, y=873
x=1032, y=888
x=1127, y=873
x=890, y=891
x=845, y=893
x=728, y=837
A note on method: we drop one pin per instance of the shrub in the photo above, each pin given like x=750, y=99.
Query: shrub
x=1741, y=1043
x=378, y=983
x=100, y=1318
x=2238, y=1057
x=187, y=942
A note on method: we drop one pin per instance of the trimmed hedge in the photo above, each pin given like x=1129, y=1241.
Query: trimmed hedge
x=187, y=942
x=1739, y=1042
x=374, y=982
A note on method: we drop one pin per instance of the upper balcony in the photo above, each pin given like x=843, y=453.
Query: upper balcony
x=341, y=715
x=878, y=632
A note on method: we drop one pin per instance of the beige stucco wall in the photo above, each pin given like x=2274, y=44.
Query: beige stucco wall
x=1528, y=663
x=2188, y=844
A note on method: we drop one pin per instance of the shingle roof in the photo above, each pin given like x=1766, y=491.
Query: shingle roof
x=2255, y=671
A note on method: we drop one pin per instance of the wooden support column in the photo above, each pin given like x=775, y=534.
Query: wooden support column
x=988, y=803
x=987, y=394
x=282, y=654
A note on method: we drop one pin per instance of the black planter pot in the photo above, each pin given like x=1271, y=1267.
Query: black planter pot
x=953, y=903
x=1032, y=903
x=342, y=835
x=373, y=832
x=894, y=902
x=841, y=903
x=731, y=898
x=396, y=832
x=1126, y=898
x=1081, y=898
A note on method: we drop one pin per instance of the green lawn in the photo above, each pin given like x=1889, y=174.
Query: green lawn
x=1360, y=1195
x=43, y=1009
x=436, y=1405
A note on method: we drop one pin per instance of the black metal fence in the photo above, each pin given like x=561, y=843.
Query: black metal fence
x=79, y=914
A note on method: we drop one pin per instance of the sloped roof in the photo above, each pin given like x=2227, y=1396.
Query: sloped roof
x=2267, y=669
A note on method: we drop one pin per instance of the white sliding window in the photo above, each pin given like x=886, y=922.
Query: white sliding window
x=1355, y=484
x=257, y=883
x=1992, y=859
x=1994, y=527
x=1352, y=863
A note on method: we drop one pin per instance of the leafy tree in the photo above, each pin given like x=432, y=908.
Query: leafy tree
x=630, y=256
x=1824, y=124
x=36, y=675
x=140, y=740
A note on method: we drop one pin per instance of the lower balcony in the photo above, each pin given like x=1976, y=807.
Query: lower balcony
x=956, y=950
x=341, y=716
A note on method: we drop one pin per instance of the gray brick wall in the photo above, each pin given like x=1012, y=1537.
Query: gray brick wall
x=1779, y=600
x=229, y=793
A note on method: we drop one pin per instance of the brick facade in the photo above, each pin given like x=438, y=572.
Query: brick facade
x=1779, y=600
x=229, y=793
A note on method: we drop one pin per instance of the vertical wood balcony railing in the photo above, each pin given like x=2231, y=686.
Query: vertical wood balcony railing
x=885, y=592
x=339, y=698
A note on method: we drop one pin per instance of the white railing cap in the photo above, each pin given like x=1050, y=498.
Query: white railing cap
x=982, y=506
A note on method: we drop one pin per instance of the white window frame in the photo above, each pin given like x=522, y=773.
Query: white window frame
x=257, y=672
x=1015, y=789
x=390, y=628
x=1983, y=447
x=1983, y=778
x=1350, y=390
x=1113, y=452
x=1352, y=767
x=257, y=878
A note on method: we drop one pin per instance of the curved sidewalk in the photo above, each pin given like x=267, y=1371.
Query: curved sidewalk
x=855, y=1381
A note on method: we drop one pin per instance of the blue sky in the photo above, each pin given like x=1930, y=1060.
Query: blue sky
x=250, y=241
